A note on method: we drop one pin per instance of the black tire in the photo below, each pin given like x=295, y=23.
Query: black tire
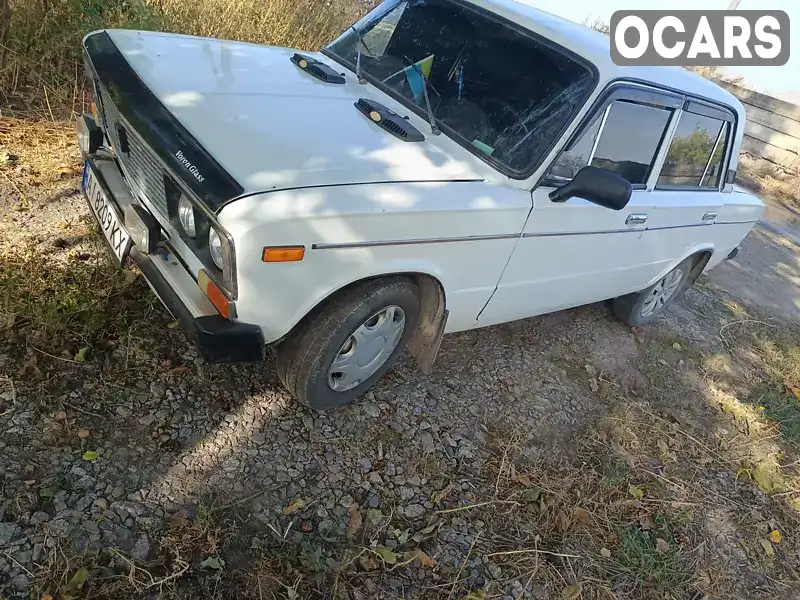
x=628, y=308
x=306, y=355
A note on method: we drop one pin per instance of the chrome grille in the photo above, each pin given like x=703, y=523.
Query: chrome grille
x=143, y=169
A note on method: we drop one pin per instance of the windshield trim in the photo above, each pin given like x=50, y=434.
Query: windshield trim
x=518, y=174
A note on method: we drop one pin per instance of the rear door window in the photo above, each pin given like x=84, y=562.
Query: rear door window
x=623, y=139
x=696, y=153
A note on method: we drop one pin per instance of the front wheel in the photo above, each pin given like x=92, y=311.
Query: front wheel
x=643, y=307
x=340, y=351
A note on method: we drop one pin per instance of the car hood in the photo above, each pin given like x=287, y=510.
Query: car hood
x=272, y=126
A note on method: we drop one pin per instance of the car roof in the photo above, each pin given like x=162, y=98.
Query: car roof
x=594, y=46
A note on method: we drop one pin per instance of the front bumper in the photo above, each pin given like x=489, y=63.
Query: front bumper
x=218, y=340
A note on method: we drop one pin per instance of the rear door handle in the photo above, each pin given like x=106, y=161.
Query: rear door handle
x=710, y=216
x=636, y=219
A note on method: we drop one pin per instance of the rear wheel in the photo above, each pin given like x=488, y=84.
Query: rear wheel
x=643, y=307
x=340, y=351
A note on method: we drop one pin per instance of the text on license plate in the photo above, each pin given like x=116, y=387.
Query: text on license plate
x=106, y=216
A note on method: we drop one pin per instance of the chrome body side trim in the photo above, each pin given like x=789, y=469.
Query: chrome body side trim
x=508, y=236
x=660, y=227
x=443, y=240
x=568, y=233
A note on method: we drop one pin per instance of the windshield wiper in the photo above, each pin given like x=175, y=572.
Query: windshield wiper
x=431, y=119
x=360, y=42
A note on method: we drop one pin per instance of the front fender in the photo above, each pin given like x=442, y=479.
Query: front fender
x=351, y=233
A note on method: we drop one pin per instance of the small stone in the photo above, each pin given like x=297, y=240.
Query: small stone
x=91, y=527
x=7, y=532
x=346, y=500
x=142, y=548
x=39, y=517
x=59, y=527
x=84, y=503
x=61, y=416
x=676, y=346
x=375, y=478
x=406, y=493
x=414, y=511
x=37, y=552
x=593, y=385
x=427, y=441
x=334, y=468
x=101, y=503
x=21, y=582
x=365, y=464
x=590, y=369
x=259, y=438
x=372, y=410
x=83, y=433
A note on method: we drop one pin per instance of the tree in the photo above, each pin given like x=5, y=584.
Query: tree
x=692, y=149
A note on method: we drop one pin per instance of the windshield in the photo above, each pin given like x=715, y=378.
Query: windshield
x=495, y=90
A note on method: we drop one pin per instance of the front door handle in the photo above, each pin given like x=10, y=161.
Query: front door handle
x=636, y=219
x=710, y=216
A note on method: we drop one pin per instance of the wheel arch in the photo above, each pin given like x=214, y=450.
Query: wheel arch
x=424, y=344
x=701, y=254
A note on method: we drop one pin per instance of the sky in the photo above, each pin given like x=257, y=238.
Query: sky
x=779, y=81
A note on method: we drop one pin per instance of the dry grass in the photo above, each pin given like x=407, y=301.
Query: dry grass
x=40, y=64
x=768, y=178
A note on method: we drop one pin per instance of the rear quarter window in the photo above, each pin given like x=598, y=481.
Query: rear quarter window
x=696, y=154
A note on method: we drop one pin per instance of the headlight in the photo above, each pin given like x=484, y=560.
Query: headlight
x=215, y=248
x=186, y=216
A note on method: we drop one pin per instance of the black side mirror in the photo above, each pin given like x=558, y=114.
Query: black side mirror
x=596, y=185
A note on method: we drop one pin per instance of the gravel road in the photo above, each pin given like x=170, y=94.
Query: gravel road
x=108, y=453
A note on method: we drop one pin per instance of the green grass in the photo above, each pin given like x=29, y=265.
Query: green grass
x=637, y=565
x=779, y=405
x=63, y=302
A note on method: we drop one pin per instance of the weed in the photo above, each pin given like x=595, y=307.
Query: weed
x=642, y=562
x=62, y=304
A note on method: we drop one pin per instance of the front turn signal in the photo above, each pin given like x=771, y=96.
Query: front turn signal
x=283, y=254
x=218, y=299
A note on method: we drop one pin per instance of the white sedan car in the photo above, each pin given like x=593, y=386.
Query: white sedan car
x=442, y=165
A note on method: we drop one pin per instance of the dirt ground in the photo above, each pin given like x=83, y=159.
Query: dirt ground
x=566, y=456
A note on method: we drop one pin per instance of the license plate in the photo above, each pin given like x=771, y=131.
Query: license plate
x=110, y=223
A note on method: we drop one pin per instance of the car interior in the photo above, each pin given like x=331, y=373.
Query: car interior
x=503, y=92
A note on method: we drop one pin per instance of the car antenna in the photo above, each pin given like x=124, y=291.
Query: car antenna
x=431, y=119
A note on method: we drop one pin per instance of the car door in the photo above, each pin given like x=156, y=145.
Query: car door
x=687, y=197
x=576, y=252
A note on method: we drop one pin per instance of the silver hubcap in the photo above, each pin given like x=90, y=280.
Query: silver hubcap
x=662, y=292
x=367, y=349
